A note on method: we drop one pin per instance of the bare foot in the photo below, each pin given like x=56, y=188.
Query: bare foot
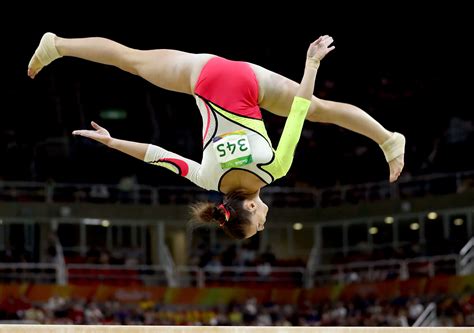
x=396, y=167
x=34, y=66
x=394, y=151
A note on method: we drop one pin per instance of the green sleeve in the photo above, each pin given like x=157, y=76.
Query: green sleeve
x=289, y=138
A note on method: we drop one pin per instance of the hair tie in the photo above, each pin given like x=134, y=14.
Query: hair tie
x=226, y=214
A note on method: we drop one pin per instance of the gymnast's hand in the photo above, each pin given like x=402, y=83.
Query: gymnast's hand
x=319, y=48
x=100, y=134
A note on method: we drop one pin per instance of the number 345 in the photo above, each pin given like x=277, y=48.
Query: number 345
x=231, y=147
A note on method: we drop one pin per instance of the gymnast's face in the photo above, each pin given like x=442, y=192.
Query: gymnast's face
x=258, y=210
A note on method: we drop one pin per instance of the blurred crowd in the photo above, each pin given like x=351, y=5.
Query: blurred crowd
x=452, y=310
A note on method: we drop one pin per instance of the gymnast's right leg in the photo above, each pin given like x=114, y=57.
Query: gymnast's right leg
x=169, y=69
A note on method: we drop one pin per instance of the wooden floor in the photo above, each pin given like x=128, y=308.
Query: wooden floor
x=220, y=329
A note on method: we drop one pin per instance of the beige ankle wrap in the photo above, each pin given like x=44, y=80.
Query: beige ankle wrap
x=46, y=51
x=394, y=146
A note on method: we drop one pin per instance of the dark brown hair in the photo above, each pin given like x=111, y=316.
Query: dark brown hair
x=209, y=212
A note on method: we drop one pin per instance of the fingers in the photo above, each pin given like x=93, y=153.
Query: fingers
x=326, y=40
x=85, y=133
x=95, y=125
x=318, y=40
x=321, y=38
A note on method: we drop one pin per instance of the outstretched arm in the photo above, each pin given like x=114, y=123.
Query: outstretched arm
x=146, y=152
x=299, y=109
x=316, y=52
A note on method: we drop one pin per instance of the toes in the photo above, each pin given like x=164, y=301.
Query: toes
x=394, y=177
x=32, y=73
x=34, y=67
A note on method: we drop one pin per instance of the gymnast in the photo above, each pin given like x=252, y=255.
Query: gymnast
x=238, y=157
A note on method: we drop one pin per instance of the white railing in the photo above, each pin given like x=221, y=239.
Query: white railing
x=170, y=267
x=118, y=274
x=61, y=272
x=279, y=196
x=382, y=270
x=311, y=264
x=59, y=260
x=229, y=276
x=171, y=275
x=428, y=318
x=466, y=262
x=32, y=272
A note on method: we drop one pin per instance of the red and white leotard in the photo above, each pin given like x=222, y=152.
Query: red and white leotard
x=227, y=96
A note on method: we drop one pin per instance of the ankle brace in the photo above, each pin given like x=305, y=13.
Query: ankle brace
x=394, y=146
x=46, y=51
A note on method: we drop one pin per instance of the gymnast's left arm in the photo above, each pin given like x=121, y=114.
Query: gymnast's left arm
x=300, y=106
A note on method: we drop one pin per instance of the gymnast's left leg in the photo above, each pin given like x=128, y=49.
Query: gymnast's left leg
x=276, y=94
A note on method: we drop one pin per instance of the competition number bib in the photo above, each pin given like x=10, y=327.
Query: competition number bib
x=232, y=149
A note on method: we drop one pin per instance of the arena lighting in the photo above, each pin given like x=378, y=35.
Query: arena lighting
x=89, y=221
x=113, y=114
x=389, y=220
x=432, y=215
x=458, y=222
x=373, y=230
x=297, y=226
x=415, y=226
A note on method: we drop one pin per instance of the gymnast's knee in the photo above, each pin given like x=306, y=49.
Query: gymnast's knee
x=131, y=61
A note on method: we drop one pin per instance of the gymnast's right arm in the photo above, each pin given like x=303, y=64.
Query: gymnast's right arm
x=148, y=153
x=180, y=165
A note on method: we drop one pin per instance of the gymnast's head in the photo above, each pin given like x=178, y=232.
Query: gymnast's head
x=240, y=215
